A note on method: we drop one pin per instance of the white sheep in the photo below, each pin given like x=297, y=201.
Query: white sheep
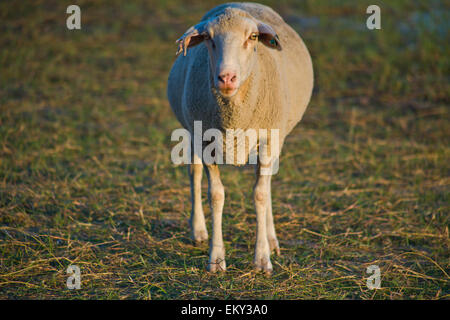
x=240, y=67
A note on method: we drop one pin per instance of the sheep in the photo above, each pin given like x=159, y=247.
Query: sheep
x=241, y=67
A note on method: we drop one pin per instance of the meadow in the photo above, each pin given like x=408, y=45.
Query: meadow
x=86, y=177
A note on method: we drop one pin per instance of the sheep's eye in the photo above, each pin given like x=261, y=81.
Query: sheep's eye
x=211, y=41
x=207, y=37
x=253, y=36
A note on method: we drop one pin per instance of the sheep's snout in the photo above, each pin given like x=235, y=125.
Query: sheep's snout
x=227, y=82
x=227, y=79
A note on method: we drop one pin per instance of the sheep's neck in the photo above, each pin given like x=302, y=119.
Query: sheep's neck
x=237, y=112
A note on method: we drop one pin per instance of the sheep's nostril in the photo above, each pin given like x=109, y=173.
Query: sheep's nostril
x=227, y=78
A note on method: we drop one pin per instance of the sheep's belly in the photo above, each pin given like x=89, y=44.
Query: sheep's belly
x=232, y=151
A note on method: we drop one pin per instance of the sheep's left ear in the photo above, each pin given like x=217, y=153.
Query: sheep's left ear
x=192, y=37
x=268, y=36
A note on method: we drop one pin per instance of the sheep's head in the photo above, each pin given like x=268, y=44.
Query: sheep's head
x=232, y=39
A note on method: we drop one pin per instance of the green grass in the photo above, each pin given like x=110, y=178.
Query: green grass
x=86, y=176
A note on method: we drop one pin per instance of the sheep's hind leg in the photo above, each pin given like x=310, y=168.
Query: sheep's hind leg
x=216, y=195
x=197, y=221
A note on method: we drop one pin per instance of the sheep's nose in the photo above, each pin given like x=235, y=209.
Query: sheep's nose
x=227, y=78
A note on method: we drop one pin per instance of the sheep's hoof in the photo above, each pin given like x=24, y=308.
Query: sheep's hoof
x=218, y=265
x=273, y=245
x=199, y=236
x=263, y=264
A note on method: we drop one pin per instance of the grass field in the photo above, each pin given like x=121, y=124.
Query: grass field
x=86, y=176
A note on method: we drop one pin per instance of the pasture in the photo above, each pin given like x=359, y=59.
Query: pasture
x=86, y=177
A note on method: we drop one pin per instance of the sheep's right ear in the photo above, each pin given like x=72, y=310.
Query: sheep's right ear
x=268, y=36
x=192, y=37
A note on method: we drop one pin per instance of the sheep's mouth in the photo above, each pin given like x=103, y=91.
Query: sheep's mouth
x=227, y=92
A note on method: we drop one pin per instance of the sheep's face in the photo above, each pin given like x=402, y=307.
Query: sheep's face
x=232, y=53
x=232, y=40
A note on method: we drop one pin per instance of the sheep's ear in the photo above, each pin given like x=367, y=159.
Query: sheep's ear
x=268, y=36
x=192, y=37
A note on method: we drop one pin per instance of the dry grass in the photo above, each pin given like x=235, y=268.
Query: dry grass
x=86, y=177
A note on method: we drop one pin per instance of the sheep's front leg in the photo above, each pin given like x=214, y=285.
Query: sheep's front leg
x=216, y=195
x=197, y=221
x=271, y=235
x=261, y=197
